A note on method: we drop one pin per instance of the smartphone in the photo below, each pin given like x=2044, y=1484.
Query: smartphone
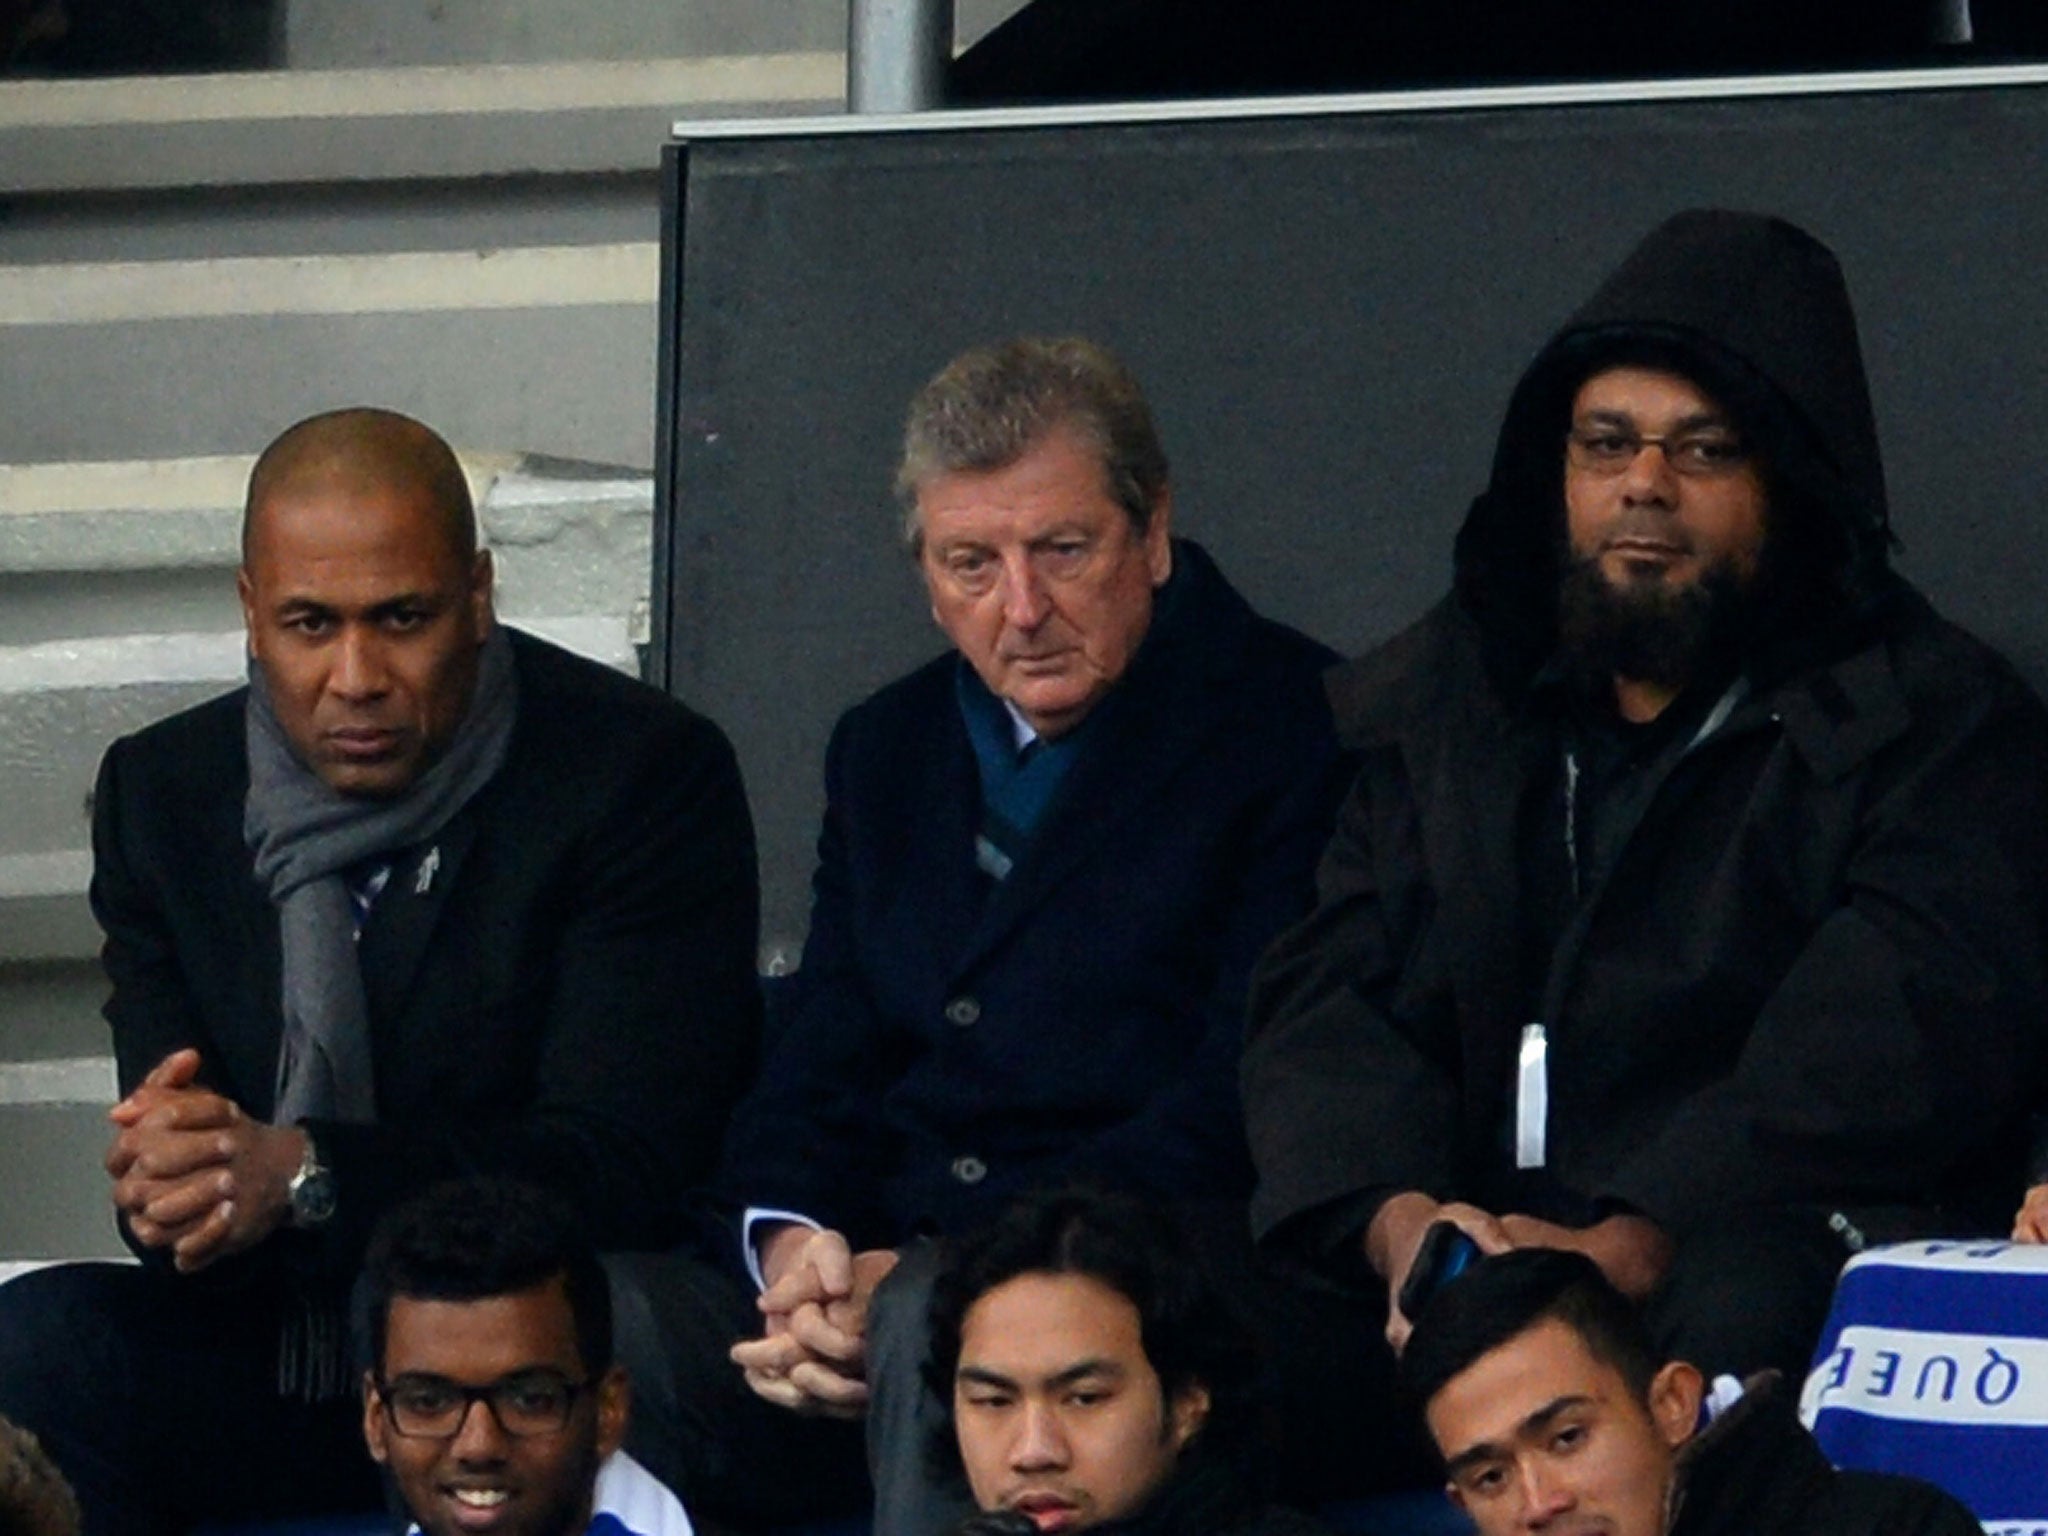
x=1447, y=1251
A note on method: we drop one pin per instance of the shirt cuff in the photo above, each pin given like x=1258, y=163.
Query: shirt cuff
x=750, y=1252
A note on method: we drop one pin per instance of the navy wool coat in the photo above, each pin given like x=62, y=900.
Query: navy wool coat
x=951, y=1041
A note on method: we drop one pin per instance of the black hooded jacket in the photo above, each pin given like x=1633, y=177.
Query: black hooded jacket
x=1755, y=1472
x=1755, y=312
x=1807, y=971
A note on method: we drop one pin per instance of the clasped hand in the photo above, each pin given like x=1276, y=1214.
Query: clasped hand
x=812, y=1353
x=192, y=1173
x=1631, y=1250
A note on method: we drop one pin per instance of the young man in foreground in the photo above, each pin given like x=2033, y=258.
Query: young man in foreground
x=1096, y=1381
x=492, y=1398
x=1553, y=1413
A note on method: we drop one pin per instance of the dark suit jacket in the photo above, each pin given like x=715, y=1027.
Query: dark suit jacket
x=570, y=998
x=949, y=1044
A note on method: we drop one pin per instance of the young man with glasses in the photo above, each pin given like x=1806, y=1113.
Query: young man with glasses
x=493, y=1398
x=1688, y=910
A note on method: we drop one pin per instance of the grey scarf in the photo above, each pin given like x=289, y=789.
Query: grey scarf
x=304, y=834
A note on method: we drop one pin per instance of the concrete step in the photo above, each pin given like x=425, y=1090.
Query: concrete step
x=324, y=33
x=550, y=348
x=56, y=1022
x=341, y=127
x=55, y=1205
x=43, y=914
x=54, y=1093
x=189, y=264
x=570, y=538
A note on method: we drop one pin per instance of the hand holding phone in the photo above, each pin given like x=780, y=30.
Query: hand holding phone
x=1446, y=1252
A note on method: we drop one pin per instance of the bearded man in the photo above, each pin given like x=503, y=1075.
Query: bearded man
x=1687, y=911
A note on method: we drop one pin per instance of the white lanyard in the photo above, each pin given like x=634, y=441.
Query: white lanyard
x=1532, y=1098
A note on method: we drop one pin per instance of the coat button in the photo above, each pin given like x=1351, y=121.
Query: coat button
x=963, y=1011
x=969, y=1170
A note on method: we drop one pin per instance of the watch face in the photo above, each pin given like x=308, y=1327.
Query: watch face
x=312, y=1197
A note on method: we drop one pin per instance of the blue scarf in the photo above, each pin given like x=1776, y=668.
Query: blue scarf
x=1017, y=784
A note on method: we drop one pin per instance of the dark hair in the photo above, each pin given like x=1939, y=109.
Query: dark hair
x=480, y=1237
x=34, y=1498
x=1191, y=1337
x=1503, y=1297
x=992, y=405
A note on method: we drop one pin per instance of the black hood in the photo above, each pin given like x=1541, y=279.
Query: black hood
x=1754, y=311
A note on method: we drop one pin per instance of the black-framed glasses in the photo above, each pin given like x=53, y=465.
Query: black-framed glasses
x=525, y=1403
x=1699, y=452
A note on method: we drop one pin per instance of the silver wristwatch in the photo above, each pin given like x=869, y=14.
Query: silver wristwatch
x=311, y=1191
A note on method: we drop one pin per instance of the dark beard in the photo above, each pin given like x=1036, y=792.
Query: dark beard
x=1648, y=632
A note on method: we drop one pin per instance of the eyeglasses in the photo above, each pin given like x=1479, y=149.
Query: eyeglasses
x=1701, y=453
x=435, y=1408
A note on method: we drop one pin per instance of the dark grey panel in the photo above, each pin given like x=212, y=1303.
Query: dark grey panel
x=1329, y=313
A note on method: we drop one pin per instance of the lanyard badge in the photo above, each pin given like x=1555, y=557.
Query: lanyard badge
x=1532, y=1097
